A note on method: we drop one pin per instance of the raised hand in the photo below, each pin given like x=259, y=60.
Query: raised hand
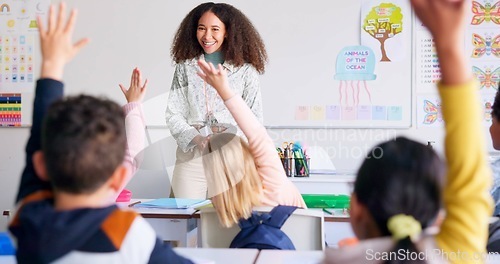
x=445, y=19
x=136, y=91
x=56, y=45
x=216, y=78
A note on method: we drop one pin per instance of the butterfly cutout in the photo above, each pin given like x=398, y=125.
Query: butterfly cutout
x=432, y=112
x=485, y=45
x=486, y=13
x=488, y=78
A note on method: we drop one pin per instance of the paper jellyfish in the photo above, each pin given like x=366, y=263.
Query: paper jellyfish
x=355, y=63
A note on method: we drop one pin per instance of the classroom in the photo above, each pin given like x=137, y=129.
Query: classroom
x=309, y=94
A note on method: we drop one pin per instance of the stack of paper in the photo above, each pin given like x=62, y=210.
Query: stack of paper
x=173, y=203
x=320, y=161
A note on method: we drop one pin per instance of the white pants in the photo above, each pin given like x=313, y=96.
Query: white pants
x=188, y=180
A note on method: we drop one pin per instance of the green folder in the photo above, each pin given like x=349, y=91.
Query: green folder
x=340, y=201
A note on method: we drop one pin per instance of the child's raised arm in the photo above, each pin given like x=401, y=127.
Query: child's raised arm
x=464, y=231
x=134, y=123
x=57, y=50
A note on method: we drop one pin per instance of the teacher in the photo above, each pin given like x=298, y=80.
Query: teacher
x=220, y=34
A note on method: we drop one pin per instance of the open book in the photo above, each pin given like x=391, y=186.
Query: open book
x=173, y=203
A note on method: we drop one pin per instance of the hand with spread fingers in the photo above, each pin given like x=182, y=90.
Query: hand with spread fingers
x=136, y=91
x=56, y=44
x=216, y=77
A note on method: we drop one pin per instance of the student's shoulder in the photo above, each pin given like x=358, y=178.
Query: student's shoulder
x=120, y=222
x=128, y=231
x=33, y=204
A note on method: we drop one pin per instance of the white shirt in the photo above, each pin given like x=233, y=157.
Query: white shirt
x=188, y=104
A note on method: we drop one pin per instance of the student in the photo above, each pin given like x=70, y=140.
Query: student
x=495, y=138
x=242, y=175
x=79, y=149
x=221, y=34
x=397, y=193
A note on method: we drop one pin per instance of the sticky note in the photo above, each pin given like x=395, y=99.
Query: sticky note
x=379, y=112
x=364, y=112
x=348, y=113
x=395, y=113
x=318, y=112
x=333, y=112
x=302, y=113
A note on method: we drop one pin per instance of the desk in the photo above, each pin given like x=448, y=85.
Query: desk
x=172, y=225
x=219, y=255
x=337, y=227
x=289, y=256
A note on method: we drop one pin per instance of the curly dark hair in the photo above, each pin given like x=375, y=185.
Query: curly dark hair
x=83, y=141
x=242, y=44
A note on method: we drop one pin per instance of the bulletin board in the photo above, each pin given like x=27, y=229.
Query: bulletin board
x=338, y=64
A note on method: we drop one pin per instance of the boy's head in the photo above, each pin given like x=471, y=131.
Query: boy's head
x=233, y=182
x=399, y=176
x=495, y=121
x=83, y=142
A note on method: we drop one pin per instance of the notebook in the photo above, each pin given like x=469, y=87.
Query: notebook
x=173, y=203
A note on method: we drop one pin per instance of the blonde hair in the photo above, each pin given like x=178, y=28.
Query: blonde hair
x=234, y=184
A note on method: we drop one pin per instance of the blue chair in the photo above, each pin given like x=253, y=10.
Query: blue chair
x=6, y=246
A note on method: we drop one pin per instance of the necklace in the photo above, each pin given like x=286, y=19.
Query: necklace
x=209, y=117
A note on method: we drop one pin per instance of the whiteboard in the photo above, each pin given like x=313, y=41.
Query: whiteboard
x=299, y=87
x=302, y=40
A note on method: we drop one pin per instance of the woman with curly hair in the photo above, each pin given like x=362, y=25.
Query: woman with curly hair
x=220, y=34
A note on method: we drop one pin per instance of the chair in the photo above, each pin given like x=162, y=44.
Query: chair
x=153, y=178
x=304, y=227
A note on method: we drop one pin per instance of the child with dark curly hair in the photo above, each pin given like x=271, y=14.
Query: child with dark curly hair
x=220, y=34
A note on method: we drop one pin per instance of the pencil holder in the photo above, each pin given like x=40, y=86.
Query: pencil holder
x=301, y=167
x=288, y=166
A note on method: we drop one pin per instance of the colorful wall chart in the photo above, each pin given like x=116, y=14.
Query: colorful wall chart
x=18, y=34
x=10, y=109
x=482, y=44
x=16, y=62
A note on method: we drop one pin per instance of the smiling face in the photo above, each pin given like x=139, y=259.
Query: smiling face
x=210, y=33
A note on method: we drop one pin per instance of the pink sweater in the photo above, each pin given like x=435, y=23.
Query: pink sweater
x=278, y=189
x=135, y=130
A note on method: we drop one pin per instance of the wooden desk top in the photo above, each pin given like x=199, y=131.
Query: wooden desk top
x=338, y=216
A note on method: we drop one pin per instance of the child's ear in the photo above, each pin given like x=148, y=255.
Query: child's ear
x=38, y=160
x=118, y=179
x=356, y=216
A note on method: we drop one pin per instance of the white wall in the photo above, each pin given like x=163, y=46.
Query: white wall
x=12, y=142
